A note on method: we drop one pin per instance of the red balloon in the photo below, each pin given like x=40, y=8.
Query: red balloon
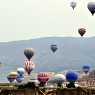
x=81, y=31
x=43, y=76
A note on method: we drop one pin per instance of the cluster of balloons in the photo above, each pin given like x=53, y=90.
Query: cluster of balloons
x=54, y=47
x=70, y=76
x=90, y=6
x=18, y=76
x=29, y=65
x=44, y=77
x=81, y=32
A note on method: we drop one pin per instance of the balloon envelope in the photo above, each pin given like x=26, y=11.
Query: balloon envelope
x=58, y=78
x=29, y=66
x=71, y=76
x=73, y=4
x=19, y=78
x=43, y=77
x=54, y=48
x=81, y=31
x=91, y=7
x=86, y=68
x=20, y=71
x=12, y=76
x=29, y=52
x=10, y=79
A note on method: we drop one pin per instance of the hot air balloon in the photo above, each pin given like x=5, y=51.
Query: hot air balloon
x=73, y=4
x=86, y=69
x=10, y=79
x=81, y=31
x=71, y=77
x=29, y=52
x=29, y=66
x=20, y=71
x=53, y=48
x=12, y=76
x=58, y=79
x=91, y=7
x=43, y=77
x=19, y=78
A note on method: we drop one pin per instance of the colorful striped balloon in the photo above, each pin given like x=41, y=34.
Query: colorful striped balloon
x=28, y=66
x=43, y=76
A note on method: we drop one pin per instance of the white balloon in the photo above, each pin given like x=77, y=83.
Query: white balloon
x=58, y=78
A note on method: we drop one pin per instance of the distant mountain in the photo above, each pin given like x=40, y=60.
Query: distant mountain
x=72, y=53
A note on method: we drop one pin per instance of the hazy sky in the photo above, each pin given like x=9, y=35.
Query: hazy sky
x=26, y=19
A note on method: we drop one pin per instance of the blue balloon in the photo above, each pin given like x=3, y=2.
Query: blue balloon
x=71, y=76
x=19, y=78
x=86, y=68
